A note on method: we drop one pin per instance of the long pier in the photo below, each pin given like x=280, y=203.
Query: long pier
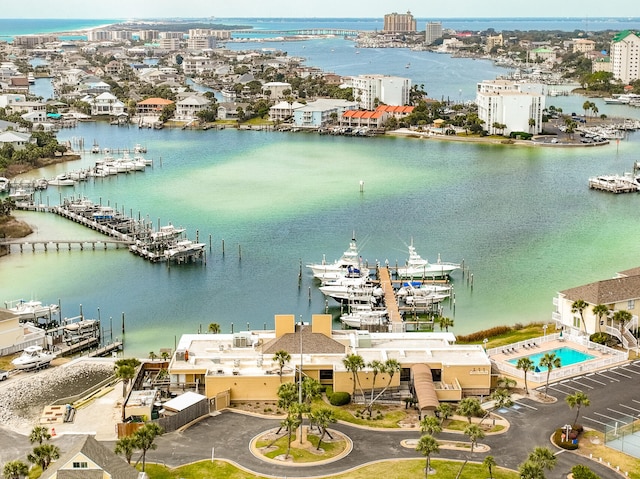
x=390, y=300
x=56, y=244
x=305, y=31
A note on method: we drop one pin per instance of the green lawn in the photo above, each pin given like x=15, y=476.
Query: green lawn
x=402, y=469
x=331, y=449
x=390, y=416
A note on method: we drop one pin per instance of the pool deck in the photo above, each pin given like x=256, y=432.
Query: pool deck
x=602, y=358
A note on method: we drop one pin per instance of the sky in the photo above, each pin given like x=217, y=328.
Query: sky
x=132, y=9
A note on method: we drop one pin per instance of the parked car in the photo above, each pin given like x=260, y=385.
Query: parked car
x=4, y=374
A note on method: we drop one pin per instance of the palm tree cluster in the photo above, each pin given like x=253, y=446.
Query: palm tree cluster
x=540, y=459
x=42, y=455
x=143, y=439
x=354, y=363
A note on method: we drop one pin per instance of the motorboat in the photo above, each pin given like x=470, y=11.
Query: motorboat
x=167, y=232
x=423, y=289
x=361, y=319
x=21, y=195
x=353, y=294
x=138, y=148
x=104, y=213
x=33, y=357
x=83, y=329
x=62, y=180
x=184, y=248
x=26, y=310
x=348, y=264
x=418, y=267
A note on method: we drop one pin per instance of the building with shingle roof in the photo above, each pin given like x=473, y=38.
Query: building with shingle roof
x=88, y=459
x=621, y=292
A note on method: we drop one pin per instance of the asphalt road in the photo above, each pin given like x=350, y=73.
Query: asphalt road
x=613, y=394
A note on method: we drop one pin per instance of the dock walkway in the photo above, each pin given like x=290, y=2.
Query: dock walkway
x=390, y=300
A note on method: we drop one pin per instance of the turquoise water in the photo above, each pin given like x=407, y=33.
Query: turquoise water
x=567, y=357
x=522, y=219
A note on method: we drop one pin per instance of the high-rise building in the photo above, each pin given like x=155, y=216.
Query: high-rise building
x=399, y=23
x=505, y=106
x=370, y=90
x=625, y=56
x=432, y=32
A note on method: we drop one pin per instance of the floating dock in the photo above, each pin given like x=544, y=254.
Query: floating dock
x=613, y=184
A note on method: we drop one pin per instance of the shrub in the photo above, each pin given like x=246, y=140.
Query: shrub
x=328, y=391
x=340, y=398
x=568, y=445
x=487, y=333
x=580, y=471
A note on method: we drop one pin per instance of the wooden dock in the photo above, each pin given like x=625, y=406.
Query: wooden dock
x=390, y=300
x=57, y=244
x=613, y=184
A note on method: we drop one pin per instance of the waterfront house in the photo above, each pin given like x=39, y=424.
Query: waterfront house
x=276, y=89
x=188, y=108
x=152, y=106
x=283, y=111
x=231, y=110
x=90, y=459
x=240, y=366
x=619, y=293
x=322, y=112
x=106, y=104
x=16, y=139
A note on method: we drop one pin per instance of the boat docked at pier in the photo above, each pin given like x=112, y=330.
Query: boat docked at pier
x=350, y=263
x=29, y=310
x=167, y=232
x=184, y=249
x=418, y=267
x=33, y=357
x=364, y=319
x=62, y=180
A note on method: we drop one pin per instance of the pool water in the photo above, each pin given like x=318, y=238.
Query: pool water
x=567, y=357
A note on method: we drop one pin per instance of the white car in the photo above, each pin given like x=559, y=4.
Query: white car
x=4, y=374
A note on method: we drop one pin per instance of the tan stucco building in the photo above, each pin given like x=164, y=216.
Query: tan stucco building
x=240, y=367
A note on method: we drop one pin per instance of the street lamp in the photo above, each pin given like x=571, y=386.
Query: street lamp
x=485, y=341
x=544, y=329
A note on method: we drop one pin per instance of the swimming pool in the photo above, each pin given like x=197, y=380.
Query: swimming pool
x=567, y=357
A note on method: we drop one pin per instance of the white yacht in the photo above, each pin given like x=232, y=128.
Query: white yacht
x=349, y=264
x=33, y=357
x=418, y=267
x=32, y=309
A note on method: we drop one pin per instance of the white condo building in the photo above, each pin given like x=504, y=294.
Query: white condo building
x=625, y=56
x=512, y=104
x=385, y=89
x=432, y=32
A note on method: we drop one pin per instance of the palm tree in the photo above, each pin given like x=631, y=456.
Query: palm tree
x=526, y=365
x=430, y=425
x=354, y=364
x=501, y=398
x=578, y=306
x=282, y=357
x=600, y=310
x=126, y=373
x=586, y=106
x=390, y=367
x=530, y=470
x=490, y=463
x=426, y=446
x=445, y=411
x=290, y=423
x=577, y=400
x=549, y=361
x=543, y=457
x=376, y=368
x=144, y=439
x=214, y=328
x=469, y=407
x=322, y=418
x=165, y=355
x=152, y=355
x=43, y=455
x=623, y=317
x=39, y=434
x=475, y=433
x=446, y=323
x=15, y=470
x=126, y=446
x=506, y=383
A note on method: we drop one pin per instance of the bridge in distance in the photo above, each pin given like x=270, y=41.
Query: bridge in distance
x=305, y=31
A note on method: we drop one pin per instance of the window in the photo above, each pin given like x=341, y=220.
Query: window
x=631, y=304
x=576, y=322
x=326, y=375
x=80, y=465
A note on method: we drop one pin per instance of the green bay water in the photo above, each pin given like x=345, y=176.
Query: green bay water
x=522, y=219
